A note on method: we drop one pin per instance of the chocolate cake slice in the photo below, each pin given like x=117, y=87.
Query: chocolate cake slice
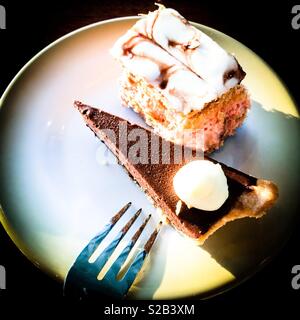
x=248, y=196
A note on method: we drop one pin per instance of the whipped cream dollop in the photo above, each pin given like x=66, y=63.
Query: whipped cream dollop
x=201, y=184
x=184, y=63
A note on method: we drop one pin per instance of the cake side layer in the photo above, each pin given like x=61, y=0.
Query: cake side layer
x=216, y=121
x=248, y=197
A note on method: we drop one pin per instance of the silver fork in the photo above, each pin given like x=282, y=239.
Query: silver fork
x=81, y=280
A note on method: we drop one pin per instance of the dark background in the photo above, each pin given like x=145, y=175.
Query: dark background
x=265, y=29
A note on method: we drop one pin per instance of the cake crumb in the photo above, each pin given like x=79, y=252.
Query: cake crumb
x=164, y=218
x=178, y=207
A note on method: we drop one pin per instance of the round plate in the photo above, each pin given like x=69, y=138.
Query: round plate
x=57, y=192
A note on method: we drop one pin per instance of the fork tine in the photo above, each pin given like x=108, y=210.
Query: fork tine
x=95, y=242
x=148, y=245
x=118, y=215
x=105, y=255
x=115, y=268
x=140, y=230
x=137, y=264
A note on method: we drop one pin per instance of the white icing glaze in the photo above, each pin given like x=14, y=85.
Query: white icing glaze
x=205, y=57
x=194, y=76
x=184, y=89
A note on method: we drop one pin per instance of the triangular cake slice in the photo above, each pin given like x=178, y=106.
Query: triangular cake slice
x=248, y=196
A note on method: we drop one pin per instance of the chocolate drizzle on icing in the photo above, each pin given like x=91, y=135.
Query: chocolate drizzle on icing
x=229, y=75
x=153, y=24
x=172, y=43
x=184, y=46
x=237, y=73
x=131, y=43
x=165, y=74
x=164, y=79
x=165, y=70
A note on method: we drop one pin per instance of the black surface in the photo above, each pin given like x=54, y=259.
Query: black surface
x=266, y=30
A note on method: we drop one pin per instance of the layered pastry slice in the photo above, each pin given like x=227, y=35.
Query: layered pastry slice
x=180, y=81
x=197, y=195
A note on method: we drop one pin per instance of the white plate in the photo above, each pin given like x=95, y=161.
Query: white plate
x=56, y=194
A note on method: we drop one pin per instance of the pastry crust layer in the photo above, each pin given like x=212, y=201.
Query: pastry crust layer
x=211, y=125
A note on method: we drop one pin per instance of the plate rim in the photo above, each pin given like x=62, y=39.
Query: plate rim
x=26, y=251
